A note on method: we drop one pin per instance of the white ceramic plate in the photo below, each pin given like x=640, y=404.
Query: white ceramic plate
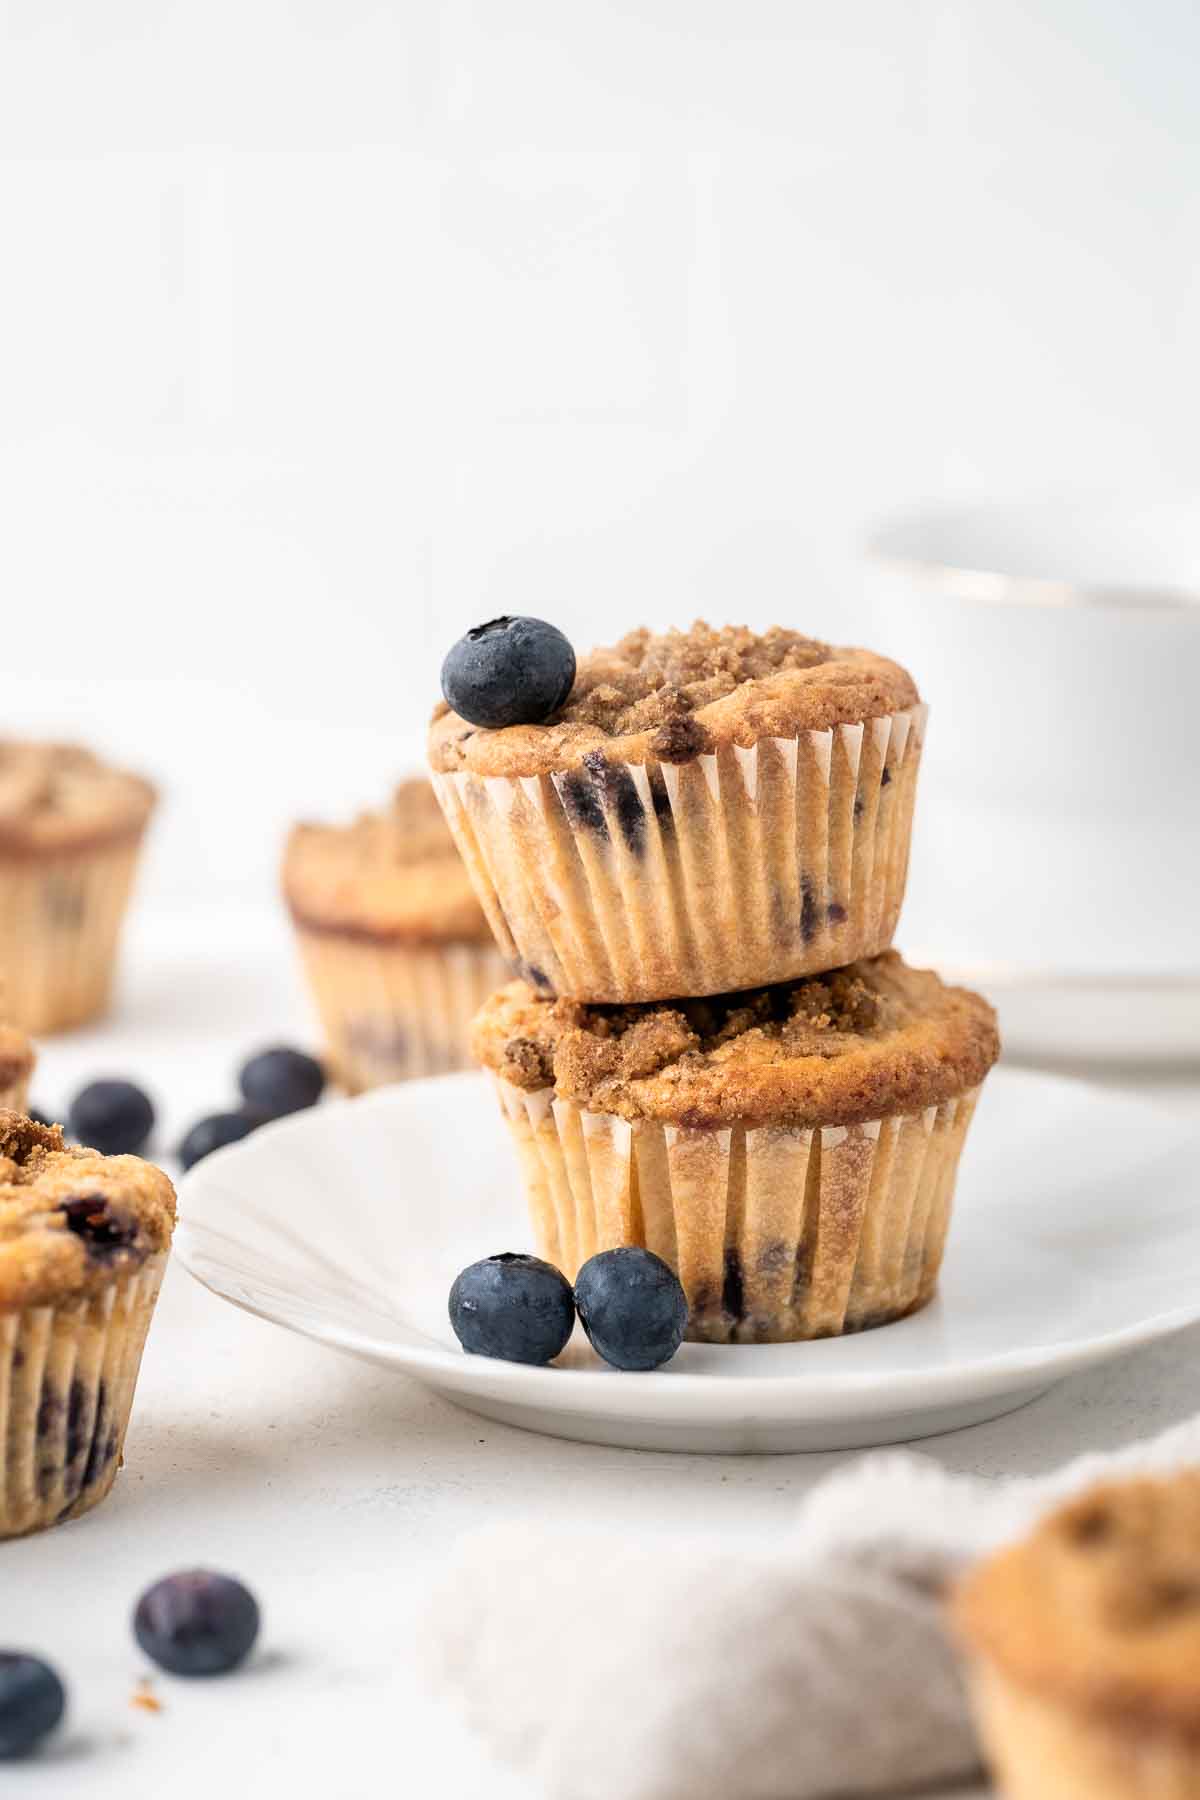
x=1076, y=1236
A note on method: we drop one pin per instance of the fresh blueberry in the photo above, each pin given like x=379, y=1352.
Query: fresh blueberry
x=517, y=1308
x=509, y=672
x=32, y=1700
x=213, y=1133
x=632, y=1307
x=281, y=1081
x=38, y=1116
x=114, y=1117
x=196, y=1623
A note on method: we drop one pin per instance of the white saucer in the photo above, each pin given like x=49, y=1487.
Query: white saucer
x=1076, y=1236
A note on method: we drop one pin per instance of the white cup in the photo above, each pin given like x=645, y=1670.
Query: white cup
x=1058, y=831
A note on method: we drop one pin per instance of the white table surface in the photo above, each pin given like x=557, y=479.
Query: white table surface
x=332, y=1487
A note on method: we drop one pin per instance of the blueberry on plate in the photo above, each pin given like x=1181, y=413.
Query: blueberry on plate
x=280, y=1081
x=114, y=1117
x=632, y=1307
x=517, y=1308
x=213, y=1133
x=196, y=1622
x=511, y=671
x=32, y=1700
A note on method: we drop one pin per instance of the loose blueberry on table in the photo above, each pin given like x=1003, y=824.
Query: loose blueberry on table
x=197, y=1622
x=517, y=1308
x=632, y=1306
x=113, y=1117
x=213, y=1133
x=280, y=1081
x=511, y=671
x=32, y=1700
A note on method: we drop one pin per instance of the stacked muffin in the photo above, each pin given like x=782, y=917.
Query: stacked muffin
x=697, y=863
x=397, y=952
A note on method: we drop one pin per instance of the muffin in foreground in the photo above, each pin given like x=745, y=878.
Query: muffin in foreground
x=791, y=1152
x=396, y=949
x=17, y=1060
x=710, y=810
x=1084, y=1643
x=84, y=1240
x=71, y=831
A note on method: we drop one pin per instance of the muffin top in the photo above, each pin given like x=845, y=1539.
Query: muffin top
x=1100, y=1607
x=71, y=1220
x=391, y=874
x=869, y=1040
x=17, y=1055
x=669, y=696
x=61, y=797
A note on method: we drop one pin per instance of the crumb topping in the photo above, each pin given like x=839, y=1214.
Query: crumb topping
x=58, y=795
x=392, y=873
x=71, y=1219
x=1101, y=1604
x=654, y=681
x=673, y=695
x=865, y=1041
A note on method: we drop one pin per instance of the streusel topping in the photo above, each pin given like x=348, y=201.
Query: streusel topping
x=869, y=1040
x=674, y=695
x=71, y=1220
x=59, y=796
x=1100, y=1607
x=394, y=873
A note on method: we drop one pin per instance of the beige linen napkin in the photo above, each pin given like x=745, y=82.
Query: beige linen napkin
x=696, y=1669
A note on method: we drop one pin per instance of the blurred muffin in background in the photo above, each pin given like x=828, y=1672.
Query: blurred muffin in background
x=71, y=831
x=395, y=945
x=17, y=1059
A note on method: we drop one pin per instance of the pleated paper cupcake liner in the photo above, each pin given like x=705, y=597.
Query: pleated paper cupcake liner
x=67, y=1377
x=777, y=1233
x=621, y=882
x=392, y=1011
x=1046, y=1751
x=14, y=1095
x=60, y=922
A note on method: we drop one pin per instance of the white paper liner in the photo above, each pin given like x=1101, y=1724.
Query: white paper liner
x=776, y=1232
x=392, y=1011
x=1038, y=1746
x=60, y=923
x=622, y=882
x=67, y=1378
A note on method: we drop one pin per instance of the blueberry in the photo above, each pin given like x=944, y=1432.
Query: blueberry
x=114, y=1117
x=38, y=1116
x=281, y=1081
x=509, y=672
x=632, y=1307
x=213, y=1132
x=518, y=1308
x=32, y=1700
x=196, y=1623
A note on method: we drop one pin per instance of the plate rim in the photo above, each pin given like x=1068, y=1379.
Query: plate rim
x=595, y=1390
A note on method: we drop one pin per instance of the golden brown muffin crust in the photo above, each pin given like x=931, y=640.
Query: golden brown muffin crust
x=674, y=695
x=58, y=797
x=1100, y=1608
x=17, y=1055
x=874, y=1039
x=393, y=874
x=71, y=1220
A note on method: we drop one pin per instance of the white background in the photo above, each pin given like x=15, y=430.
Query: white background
x=330, y=327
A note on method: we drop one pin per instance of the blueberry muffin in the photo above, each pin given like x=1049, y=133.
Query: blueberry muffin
x=17, y=1061
x=71, y=831
x=790, y=1151
x=83, y=1243
x=710, y=810
x=1084, y=1643
x=397, y=951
